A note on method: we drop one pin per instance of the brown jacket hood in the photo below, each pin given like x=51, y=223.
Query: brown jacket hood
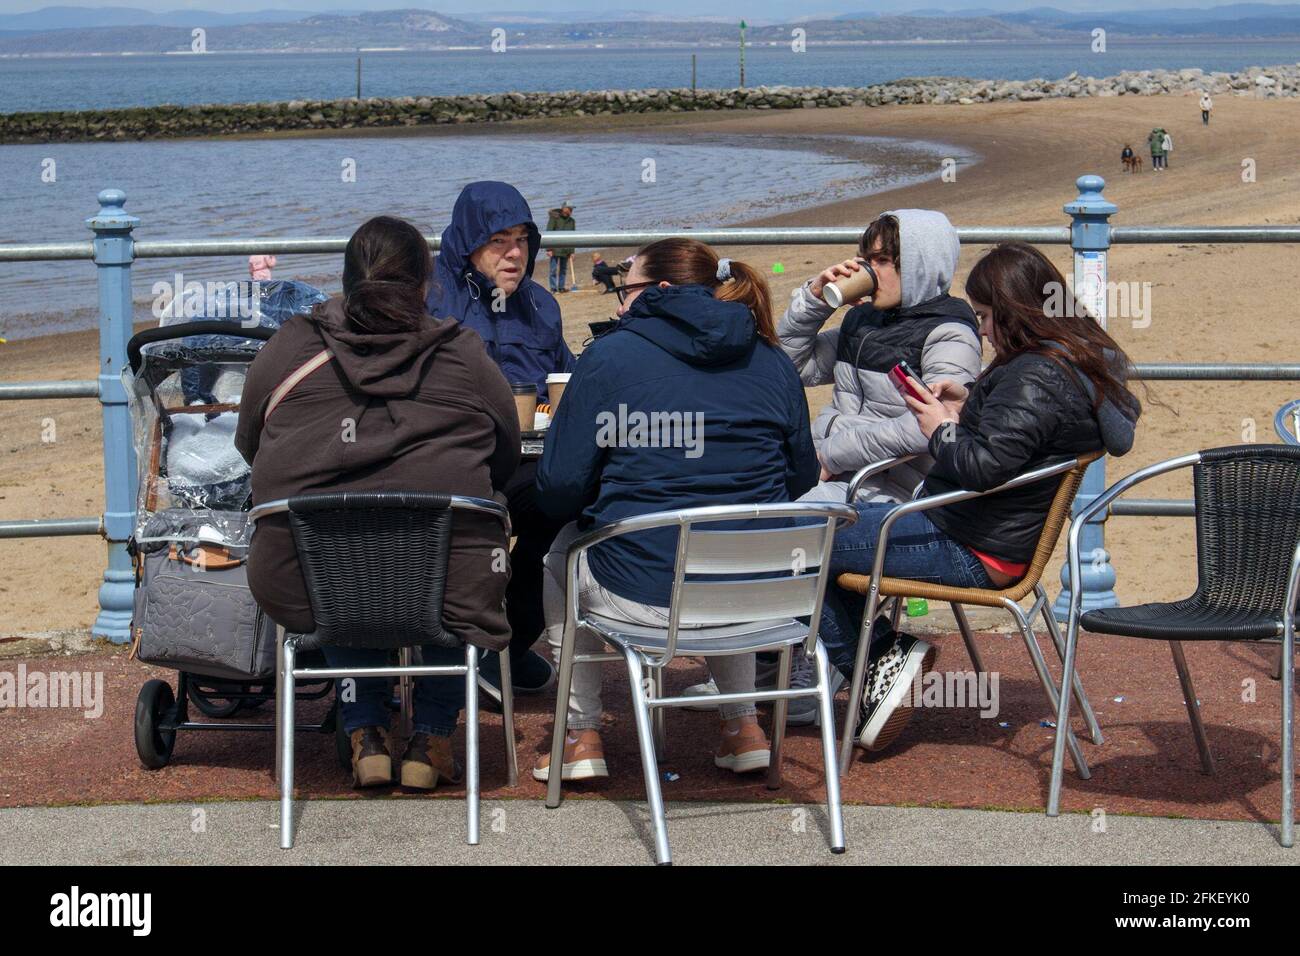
x=385, y=365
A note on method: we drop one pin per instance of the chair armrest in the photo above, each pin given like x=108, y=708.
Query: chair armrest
x=1099, y=504
x=952, y=497
x=871, y=470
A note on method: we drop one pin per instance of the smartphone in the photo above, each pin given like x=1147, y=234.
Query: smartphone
x=903, y=376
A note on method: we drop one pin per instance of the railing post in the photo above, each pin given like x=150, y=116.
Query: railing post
x=1090, y=213
x=114, y=252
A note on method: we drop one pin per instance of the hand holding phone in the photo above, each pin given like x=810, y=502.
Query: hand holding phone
x=907, y=381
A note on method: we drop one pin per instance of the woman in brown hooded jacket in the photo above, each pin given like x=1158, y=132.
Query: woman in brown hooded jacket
x=408, y=402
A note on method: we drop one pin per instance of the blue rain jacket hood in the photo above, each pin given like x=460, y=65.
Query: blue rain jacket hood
x=679, y=355
x=526, y=340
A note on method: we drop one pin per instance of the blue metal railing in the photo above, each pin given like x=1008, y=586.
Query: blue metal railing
x=114, y=249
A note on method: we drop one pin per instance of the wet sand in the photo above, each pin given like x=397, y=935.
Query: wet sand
x=1208, y=303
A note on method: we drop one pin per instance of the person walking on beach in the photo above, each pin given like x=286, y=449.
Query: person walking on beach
x=1156, y=141
x=1168, y=144
x=561, y=220
x=484, y=281
x=1207, y=107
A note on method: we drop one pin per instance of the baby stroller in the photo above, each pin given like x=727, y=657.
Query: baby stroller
x=193, y=610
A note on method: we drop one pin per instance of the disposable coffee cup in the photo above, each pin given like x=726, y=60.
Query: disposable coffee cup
x=525, y=403
x=856, y=286
x=555, y=383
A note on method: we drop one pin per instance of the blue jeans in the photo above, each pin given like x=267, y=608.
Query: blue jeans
x=916, y=550
x=437, y=700
x=559, y=272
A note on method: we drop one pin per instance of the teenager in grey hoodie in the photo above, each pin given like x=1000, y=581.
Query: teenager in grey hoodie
x=910, y=318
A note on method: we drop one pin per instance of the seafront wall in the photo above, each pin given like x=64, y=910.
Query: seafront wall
x=168, y=121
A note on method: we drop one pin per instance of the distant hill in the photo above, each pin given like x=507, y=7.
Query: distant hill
x=108, y=30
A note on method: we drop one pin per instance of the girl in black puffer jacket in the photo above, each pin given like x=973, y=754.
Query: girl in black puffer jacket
x=1055, y=389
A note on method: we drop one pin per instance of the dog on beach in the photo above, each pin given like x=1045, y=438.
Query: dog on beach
x=1131, y=160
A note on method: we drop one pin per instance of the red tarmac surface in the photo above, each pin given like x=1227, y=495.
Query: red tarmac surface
x=947, y=757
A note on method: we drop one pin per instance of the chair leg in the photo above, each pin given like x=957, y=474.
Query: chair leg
x=896, y=612
x=1288, y=740
x=833, y=807
x=1277, y=669
x=563, y=684
x=471, y=743
x=279, y=696
x=967, y=637
x=1094, y=729
x=285, y=707
x=405, y=692
x=1193, y=706
x=780, y=709
x=1045, y=678
x=650, y=766
x=508, y=719
x=859, y=678
x=659, y=714
x=1062, y=724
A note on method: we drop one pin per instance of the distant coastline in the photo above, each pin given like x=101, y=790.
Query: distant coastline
x=170, y=121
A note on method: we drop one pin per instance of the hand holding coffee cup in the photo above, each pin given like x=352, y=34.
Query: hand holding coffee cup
x=848, y=281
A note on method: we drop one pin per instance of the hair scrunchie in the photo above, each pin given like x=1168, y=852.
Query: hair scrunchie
x=724, y=270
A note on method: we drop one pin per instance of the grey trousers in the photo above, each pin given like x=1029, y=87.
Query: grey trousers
x=733, y=673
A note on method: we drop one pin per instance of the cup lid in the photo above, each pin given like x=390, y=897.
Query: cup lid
x=557, y=377
x=523, y=388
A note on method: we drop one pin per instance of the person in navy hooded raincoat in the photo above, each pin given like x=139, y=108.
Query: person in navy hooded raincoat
x=484, y=280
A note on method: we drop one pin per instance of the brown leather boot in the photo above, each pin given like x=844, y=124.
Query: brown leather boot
x=372, y=757
x=427, y=760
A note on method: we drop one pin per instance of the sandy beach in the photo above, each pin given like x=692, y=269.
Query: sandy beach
x=1207, y=303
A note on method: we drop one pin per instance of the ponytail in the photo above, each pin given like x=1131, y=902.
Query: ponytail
x=691, y=262
x=749, y=286
x=385, y=270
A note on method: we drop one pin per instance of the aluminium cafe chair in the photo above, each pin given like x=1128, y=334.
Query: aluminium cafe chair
x=375, y=564
x=1247, y=501
x=773, y=575
x=876, y=586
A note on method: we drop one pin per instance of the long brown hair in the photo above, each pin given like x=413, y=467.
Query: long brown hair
x=691, y=262
x=1032, y=306
x=386, y=268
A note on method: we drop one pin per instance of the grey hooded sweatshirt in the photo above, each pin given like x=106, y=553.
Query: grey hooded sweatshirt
x=934, y=332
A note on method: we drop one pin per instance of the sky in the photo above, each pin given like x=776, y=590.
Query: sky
x=781, y=10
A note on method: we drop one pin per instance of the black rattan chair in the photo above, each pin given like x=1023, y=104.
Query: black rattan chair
x=1248, y=568
x=375, y=564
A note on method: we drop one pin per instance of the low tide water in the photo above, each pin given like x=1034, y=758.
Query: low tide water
x=326, y=187
x=104, y=82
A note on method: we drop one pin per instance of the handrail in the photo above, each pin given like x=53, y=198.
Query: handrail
x=115, y=247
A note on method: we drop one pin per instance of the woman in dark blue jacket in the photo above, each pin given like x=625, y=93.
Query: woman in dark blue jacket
x=689, y=402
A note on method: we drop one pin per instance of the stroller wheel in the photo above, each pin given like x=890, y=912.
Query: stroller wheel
x=155, y=703
x=212, y=704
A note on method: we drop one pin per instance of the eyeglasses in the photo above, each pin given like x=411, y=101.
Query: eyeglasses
x=624, y=289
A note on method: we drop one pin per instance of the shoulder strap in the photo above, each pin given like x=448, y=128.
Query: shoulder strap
x=297, y=375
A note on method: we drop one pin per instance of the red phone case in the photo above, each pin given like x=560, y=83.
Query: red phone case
x=903, y=382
